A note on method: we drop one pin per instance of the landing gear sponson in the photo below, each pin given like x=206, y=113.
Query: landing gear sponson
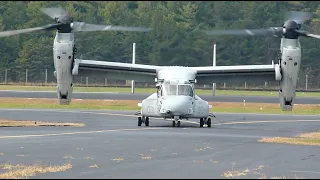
x=175, y=121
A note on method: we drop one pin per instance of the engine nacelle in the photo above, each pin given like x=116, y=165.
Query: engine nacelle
x=64, y=64
x=65, y=98
x=290, y=66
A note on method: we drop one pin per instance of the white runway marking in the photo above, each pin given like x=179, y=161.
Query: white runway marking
x=110, y=114
x=316, y=172
x=74, y=133
x=193, y=122
x=226, y=123
x=266, y=121
x=88, y=111
x=268, y=114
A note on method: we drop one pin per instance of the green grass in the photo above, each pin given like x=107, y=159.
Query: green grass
x=152, y=90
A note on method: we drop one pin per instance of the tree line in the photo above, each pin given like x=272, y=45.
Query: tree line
x=176, y=37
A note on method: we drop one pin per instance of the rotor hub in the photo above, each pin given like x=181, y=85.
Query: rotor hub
x=291, y=25
x=65, y=24
x=290, y=30
x=64, y=19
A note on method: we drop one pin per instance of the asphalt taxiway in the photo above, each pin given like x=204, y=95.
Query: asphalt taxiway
x=113, y=141
x=138, y=96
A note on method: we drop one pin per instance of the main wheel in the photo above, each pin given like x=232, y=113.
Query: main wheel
x=146, y=121
x=201, y=122
x=173, y=123
x=139, y=121
x=178, y=123
x=209, y=122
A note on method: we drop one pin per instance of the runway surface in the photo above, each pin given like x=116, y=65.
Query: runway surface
x=185, y=152
x=138, y=96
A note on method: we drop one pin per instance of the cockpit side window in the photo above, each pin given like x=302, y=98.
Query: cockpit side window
x=158, y=91
x=185, y=90
x=161, y=91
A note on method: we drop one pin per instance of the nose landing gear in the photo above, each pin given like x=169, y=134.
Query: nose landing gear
x=176, y=119
x=174, y=123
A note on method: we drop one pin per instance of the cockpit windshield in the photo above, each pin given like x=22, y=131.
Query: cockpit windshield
x=170, y=89
x=185, y=90
x=174, y=89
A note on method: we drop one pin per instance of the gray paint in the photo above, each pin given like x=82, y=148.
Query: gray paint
x=63, y=48
x=290, y=66
x=174, y=106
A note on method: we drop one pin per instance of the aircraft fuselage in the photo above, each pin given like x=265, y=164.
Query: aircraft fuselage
x=175, y=97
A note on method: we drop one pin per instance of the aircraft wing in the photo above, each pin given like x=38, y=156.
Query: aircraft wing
x=205, y=75
x=234, y=74
x=115, y=70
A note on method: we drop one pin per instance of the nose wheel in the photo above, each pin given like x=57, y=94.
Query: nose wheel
x=144, y=120
x=176, y=122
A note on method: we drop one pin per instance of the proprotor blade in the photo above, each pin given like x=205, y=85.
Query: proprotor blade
x=27, y=30
x=81, y=26
x=247, y=32
x=307, y=34
x=54, y=12
x=297, y=16
x=313, y=35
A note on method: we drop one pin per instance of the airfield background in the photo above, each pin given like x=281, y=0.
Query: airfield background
x=176, y=38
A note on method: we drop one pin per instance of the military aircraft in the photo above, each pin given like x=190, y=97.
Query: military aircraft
x=64, y=49
x=289, y=56
x=175, y=97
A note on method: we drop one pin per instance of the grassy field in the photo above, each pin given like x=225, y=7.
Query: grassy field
x=311, y=139
x=272, y=108
x=152, y=90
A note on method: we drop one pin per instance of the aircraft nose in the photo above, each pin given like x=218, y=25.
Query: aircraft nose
x=176, y=105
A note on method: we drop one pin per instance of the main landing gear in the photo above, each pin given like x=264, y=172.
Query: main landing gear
x=144, y=120
x=206, y=121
